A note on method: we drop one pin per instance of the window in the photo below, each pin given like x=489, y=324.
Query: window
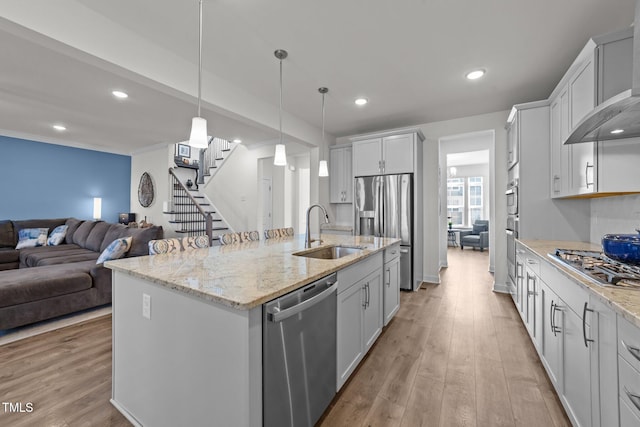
x=464, y=200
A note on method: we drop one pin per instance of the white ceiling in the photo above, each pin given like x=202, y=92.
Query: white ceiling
x=408, y=57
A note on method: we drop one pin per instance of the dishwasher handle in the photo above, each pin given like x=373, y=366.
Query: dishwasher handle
x=280, y=315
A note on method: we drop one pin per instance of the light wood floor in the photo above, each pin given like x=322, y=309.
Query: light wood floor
x=455, y=354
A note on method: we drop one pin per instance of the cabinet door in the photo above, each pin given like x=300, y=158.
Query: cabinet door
x=559, y=151
x=397, y=154
x=372, y=288
x=336, y=175
x=583, y=168
x=532, y=312
x=576, y=368
x=582, y=92
x=367, y=157
x=604, y=364
x=520, y=286
x=349, y=332
x=347, y=175
x=513, y=142
x=551, y=334
x=391, y=289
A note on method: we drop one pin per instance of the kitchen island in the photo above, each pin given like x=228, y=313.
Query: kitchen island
x=187, y=327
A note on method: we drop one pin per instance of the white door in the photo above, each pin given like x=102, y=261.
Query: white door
x=397, y=154
x=367, y=157
x=267, y=204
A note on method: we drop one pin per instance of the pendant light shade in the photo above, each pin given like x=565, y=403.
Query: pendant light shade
x=323, y=170
x=198, y=137
x=280, y=158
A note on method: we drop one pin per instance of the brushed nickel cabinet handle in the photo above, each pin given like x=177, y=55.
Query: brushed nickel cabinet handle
x=635, y=351
x=586, y=175
x=388, y=277
x=584, y=325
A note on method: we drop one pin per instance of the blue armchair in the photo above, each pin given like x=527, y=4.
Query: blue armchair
x=478, y=237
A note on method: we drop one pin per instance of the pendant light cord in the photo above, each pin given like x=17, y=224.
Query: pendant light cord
x=281, y=101
x=200, y=61
x=323, y=121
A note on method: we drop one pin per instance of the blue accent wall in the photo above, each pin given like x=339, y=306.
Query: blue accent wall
x=39, y=180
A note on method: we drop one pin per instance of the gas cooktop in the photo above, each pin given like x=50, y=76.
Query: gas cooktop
x=599, y=269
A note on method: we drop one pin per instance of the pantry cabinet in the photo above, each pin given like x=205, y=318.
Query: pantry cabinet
x=340, y=175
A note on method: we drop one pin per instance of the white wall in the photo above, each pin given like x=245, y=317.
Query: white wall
x=156, y=162
x=610, y=215
x=234, y=189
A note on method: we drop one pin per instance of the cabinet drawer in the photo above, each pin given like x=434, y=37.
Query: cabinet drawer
x=352, y=274
x=629, y=343
x=391, y=253
x=573, y=294
x=629, y=386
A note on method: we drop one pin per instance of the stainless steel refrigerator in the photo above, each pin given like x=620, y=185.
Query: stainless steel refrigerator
x=384, y=208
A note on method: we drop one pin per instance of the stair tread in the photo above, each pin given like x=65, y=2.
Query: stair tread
x=189, y=204
x=193, y=221
x=185, y=213
x=187, y=197
x=203, y=230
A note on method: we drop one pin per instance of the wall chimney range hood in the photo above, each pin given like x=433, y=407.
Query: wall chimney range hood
x=618, y=113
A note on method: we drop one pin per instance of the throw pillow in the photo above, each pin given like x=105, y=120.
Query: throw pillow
x=115, y=250
x=164, y=246
x=57, y=235
x=32, y=237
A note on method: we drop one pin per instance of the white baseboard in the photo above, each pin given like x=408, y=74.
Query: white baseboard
x=501, y=287
x=431, y=279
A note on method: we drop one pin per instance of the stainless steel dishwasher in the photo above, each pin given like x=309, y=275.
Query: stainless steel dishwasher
x=299, y=354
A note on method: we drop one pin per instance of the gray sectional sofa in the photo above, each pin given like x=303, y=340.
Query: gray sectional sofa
x=43, y=282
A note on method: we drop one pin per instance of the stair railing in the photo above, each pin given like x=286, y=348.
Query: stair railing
x=190, y=213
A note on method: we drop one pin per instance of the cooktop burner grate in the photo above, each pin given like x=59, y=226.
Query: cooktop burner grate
x=600, y=269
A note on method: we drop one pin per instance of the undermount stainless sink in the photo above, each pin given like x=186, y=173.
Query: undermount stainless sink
x=330, y=252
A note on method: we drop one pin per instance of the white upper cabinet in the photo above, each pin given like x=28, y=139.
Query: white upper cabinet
x=340, y=175
x=559, y=152
x=582, y=91
x=385, y=155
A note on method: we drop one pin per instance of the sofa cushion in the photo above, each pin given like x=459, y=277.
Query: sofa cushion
x=57, y=235
x=73, y=225
x=96, y=236
x=27, y=254
x=80, y=256
x=115, y=231
x=7, y=235
x=82, y=233
x=141, y=237
x=33, y=284
x=479, y=228
x=8, y=255
x=32, y=237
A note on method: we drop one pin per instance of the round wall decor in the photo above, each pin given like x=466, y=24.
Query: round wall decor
x=145, y=190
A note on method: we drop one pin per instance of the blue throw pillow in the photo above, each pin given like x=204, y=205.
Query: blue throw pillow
x=115, y=250
x=57, y=235
x=32, y=237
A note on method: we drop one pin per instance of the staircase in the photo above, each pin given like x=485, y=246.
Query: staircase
x=192, y=213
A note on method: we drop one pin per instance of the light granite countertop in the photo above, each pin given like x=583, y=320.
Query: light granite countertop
x=626, y=302
x=245, y=275
x=336, y=227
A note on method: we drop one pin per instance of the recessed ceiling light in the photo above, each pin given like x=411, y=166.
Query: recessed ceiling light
x=120, y=94
x=59, y=128
x=361, y=101
x=475, y=74
x=617, y=131
x=237, y=141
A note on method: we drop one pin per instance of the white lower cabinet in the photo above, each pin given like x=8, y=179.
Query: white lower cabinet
x=359, y=318
x=628, y=348
x=576, y=334
x=391, y=286
x=551, y=334
x=576, y=392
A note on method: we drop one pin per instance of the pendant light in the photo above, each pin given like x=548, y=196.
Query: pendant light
x=280, y=158
x=198, y=137
x=323, y=170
